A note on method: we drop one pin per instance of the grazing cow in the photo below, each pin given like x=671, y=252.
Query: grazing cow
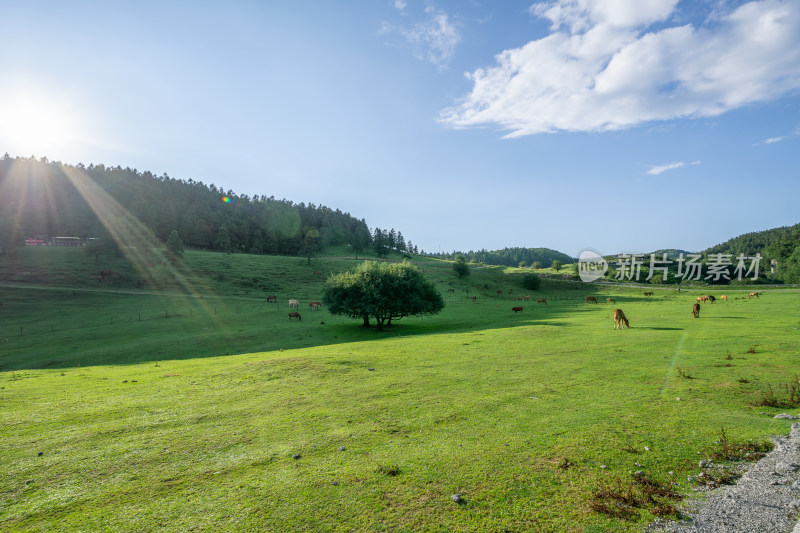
x=499, y=292
x=519, y=298
x=696, y=310
x=723, y=298
x=711, y=299
x=315, y=305
x=293, y=303
x=611, y=300
x=620, y=320
x=105, y=273
x=510, y=291
x=753, y=294
x=295, y=314
x=317, y=273
x=272, y=298
x=590, y=299
x=648, y=293
x=451, y=290
x=473, y=298
x=526, y=297
x=542, y=300
x=517, y=309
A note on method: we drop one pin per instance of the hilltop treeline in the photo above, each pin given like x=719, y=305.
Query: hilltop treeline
x=781, y=245
x=513, y=256
x=42, y=198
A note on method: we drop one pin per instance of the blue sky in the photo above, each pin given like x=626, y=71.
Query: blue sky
x=617, y=125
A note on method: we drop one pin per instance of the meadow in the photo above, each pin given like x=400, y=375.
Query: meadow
x=200, y=406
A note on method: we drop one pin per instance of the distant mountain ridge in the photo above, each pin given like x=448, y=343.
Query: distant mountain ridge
x=515, y=256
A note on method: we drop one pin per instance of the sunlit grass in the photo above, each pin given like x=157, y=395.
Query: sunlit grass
x=148, y=425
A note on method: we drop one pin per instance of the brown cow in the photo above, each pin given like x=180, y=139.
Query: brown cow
x=696, y=310
x=272, y=298
x=473, y=298
x=711, y=299
x=648, y=293
x=723, y=298
x=314, y=305
x=591, y=299
x=753, y=294
x=620, y=319
x=517, y=309
x=317, y=273
x=526, y=297
x=542, y=300
x=295, y=314
x=611, y=300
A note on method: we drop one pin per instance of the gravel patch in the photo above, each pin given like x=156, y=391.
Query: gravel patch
x=765, y=499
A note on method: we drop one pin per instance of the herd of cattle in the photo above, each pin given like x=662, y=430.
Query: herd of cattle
x=620, y=320
x=314, y=306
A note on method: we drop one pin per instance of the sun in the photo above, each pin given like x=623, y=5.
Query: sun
x=35, y=125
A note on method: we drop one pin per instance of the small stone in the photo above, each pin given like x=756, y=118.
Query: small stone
x=786, y=416
x=638, y=473
x=603, y=467
x=647, y=448
x=704, y=464
x=296, y=456
x=342, y=448
x=335, y=483
x=40, y=454
x=637, y=464
x=678, y=398
x=456, y=498
x=371, y=369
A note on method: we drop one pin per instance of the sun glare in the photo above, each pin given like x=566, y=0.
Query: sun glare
x=35, y=126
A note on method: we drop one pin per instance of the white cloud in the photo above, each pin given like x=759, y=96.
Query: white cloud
x=433, y=39
x=655, y=171
x=399, y=5
x=774, y=140
x=603, y=68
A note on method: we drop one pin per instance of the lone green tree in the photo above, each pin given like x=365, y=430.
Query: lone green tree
x=175, y=244
x=383, y=291
x=310, y=246
x=556, y=265
x=460, y=267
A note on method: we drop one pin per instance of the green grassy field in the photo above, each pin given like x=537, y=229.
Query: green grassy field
x=123, y=408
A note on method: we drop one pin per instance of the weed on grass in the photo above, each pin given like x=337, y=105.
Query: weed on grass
x=788, y=395
x=683, y=374
x=621, y=499
x=389, y=470
x=730, y=450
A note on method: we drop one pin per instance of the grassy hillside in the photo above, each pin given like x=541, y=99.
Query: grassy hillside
x=131, y=409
